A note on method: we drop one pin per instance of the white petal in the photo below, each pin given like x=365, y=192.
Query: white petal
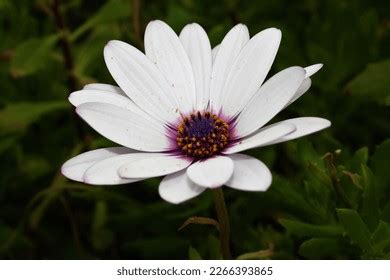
x=214, y=52
x=159, y=165
x=140, y=79
x=249, y=70
x=177, y=188
x=92, y=95
x=261, y=137
x=228, y=51
x=125, y=127
x=197, y=46
x=105, y=87
x=249, y=174
x=212, y=172
x=304, y=126
x=105, y=172
x=75, y=167
x=305, y=85
x=164, y=49
x=269, y=100
x=310, y=70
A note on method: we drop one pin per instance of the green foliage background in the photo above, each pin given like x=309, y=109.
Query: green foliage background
x=330, y=194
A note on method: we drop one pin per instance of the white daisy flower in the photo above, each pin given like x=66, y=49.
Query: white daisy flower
x=185, y=111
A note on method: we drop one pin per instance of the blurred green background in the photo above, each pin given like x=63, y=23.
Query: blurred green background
x=330, y=195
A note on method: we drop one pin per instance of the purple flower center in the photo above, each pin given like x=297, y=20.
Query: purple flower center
x=202, y=135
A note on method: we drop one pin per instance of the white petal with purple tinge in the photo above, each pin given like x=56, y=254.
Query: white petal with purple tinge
x=177, y=188
x=159, y=165
x=249, y=70
x=249, y=174
x=164, y=49
x=125, y=127
x=75, y=167
x=197, y=46
x=212, y=172
x=269, y=100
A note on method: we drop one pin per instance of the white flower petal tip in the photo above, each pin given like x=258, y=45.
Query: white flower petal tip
x=105, y=87
x=262, y=137
x=105, y=172
x=154, y=166
x=305, y=126
x=75, y=167
x=312, y=69
x=177, y=188
x=211, y=173
x=249, y=174
x=93, y=95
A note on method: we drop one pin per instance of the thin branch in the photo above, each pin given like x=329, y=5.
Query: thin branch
x=136, y=7
x=65, y=44
x=68, y=61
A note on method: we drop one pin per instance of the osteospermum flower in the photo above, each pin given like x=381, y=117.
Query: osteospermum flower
x=185, y=111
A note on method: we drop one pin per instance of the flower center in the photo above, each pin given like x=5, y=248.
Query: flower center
x=202, y=135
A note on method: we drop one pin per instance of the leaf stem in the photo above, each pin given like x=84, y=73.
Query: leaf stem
x=224, y=224
x=65, y=44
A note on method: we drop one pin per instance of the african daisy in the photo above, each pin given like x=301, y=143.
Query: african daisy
x=185, y=111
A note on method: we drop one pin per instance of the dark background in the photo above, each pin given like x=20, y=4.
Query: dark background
x=330, y=194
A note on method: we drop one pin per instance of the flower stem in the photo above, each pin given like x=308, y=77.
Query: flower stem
x=224, y=224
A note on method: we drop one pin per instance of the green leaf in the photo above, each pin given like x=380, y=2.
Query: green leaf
x=355, y=228
x=18, y=116
x=13, y=240
x=32, y=55
x=214, y=249
x=112, y=11
x=320, y=248
x=380, y=167
x=381, y=232
x=381, y=239
x=360, y=157
x=193, y=254
x=7, y=142
x=370, y=208
x=373, y=82
x=311, y=230
x=319, y=174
